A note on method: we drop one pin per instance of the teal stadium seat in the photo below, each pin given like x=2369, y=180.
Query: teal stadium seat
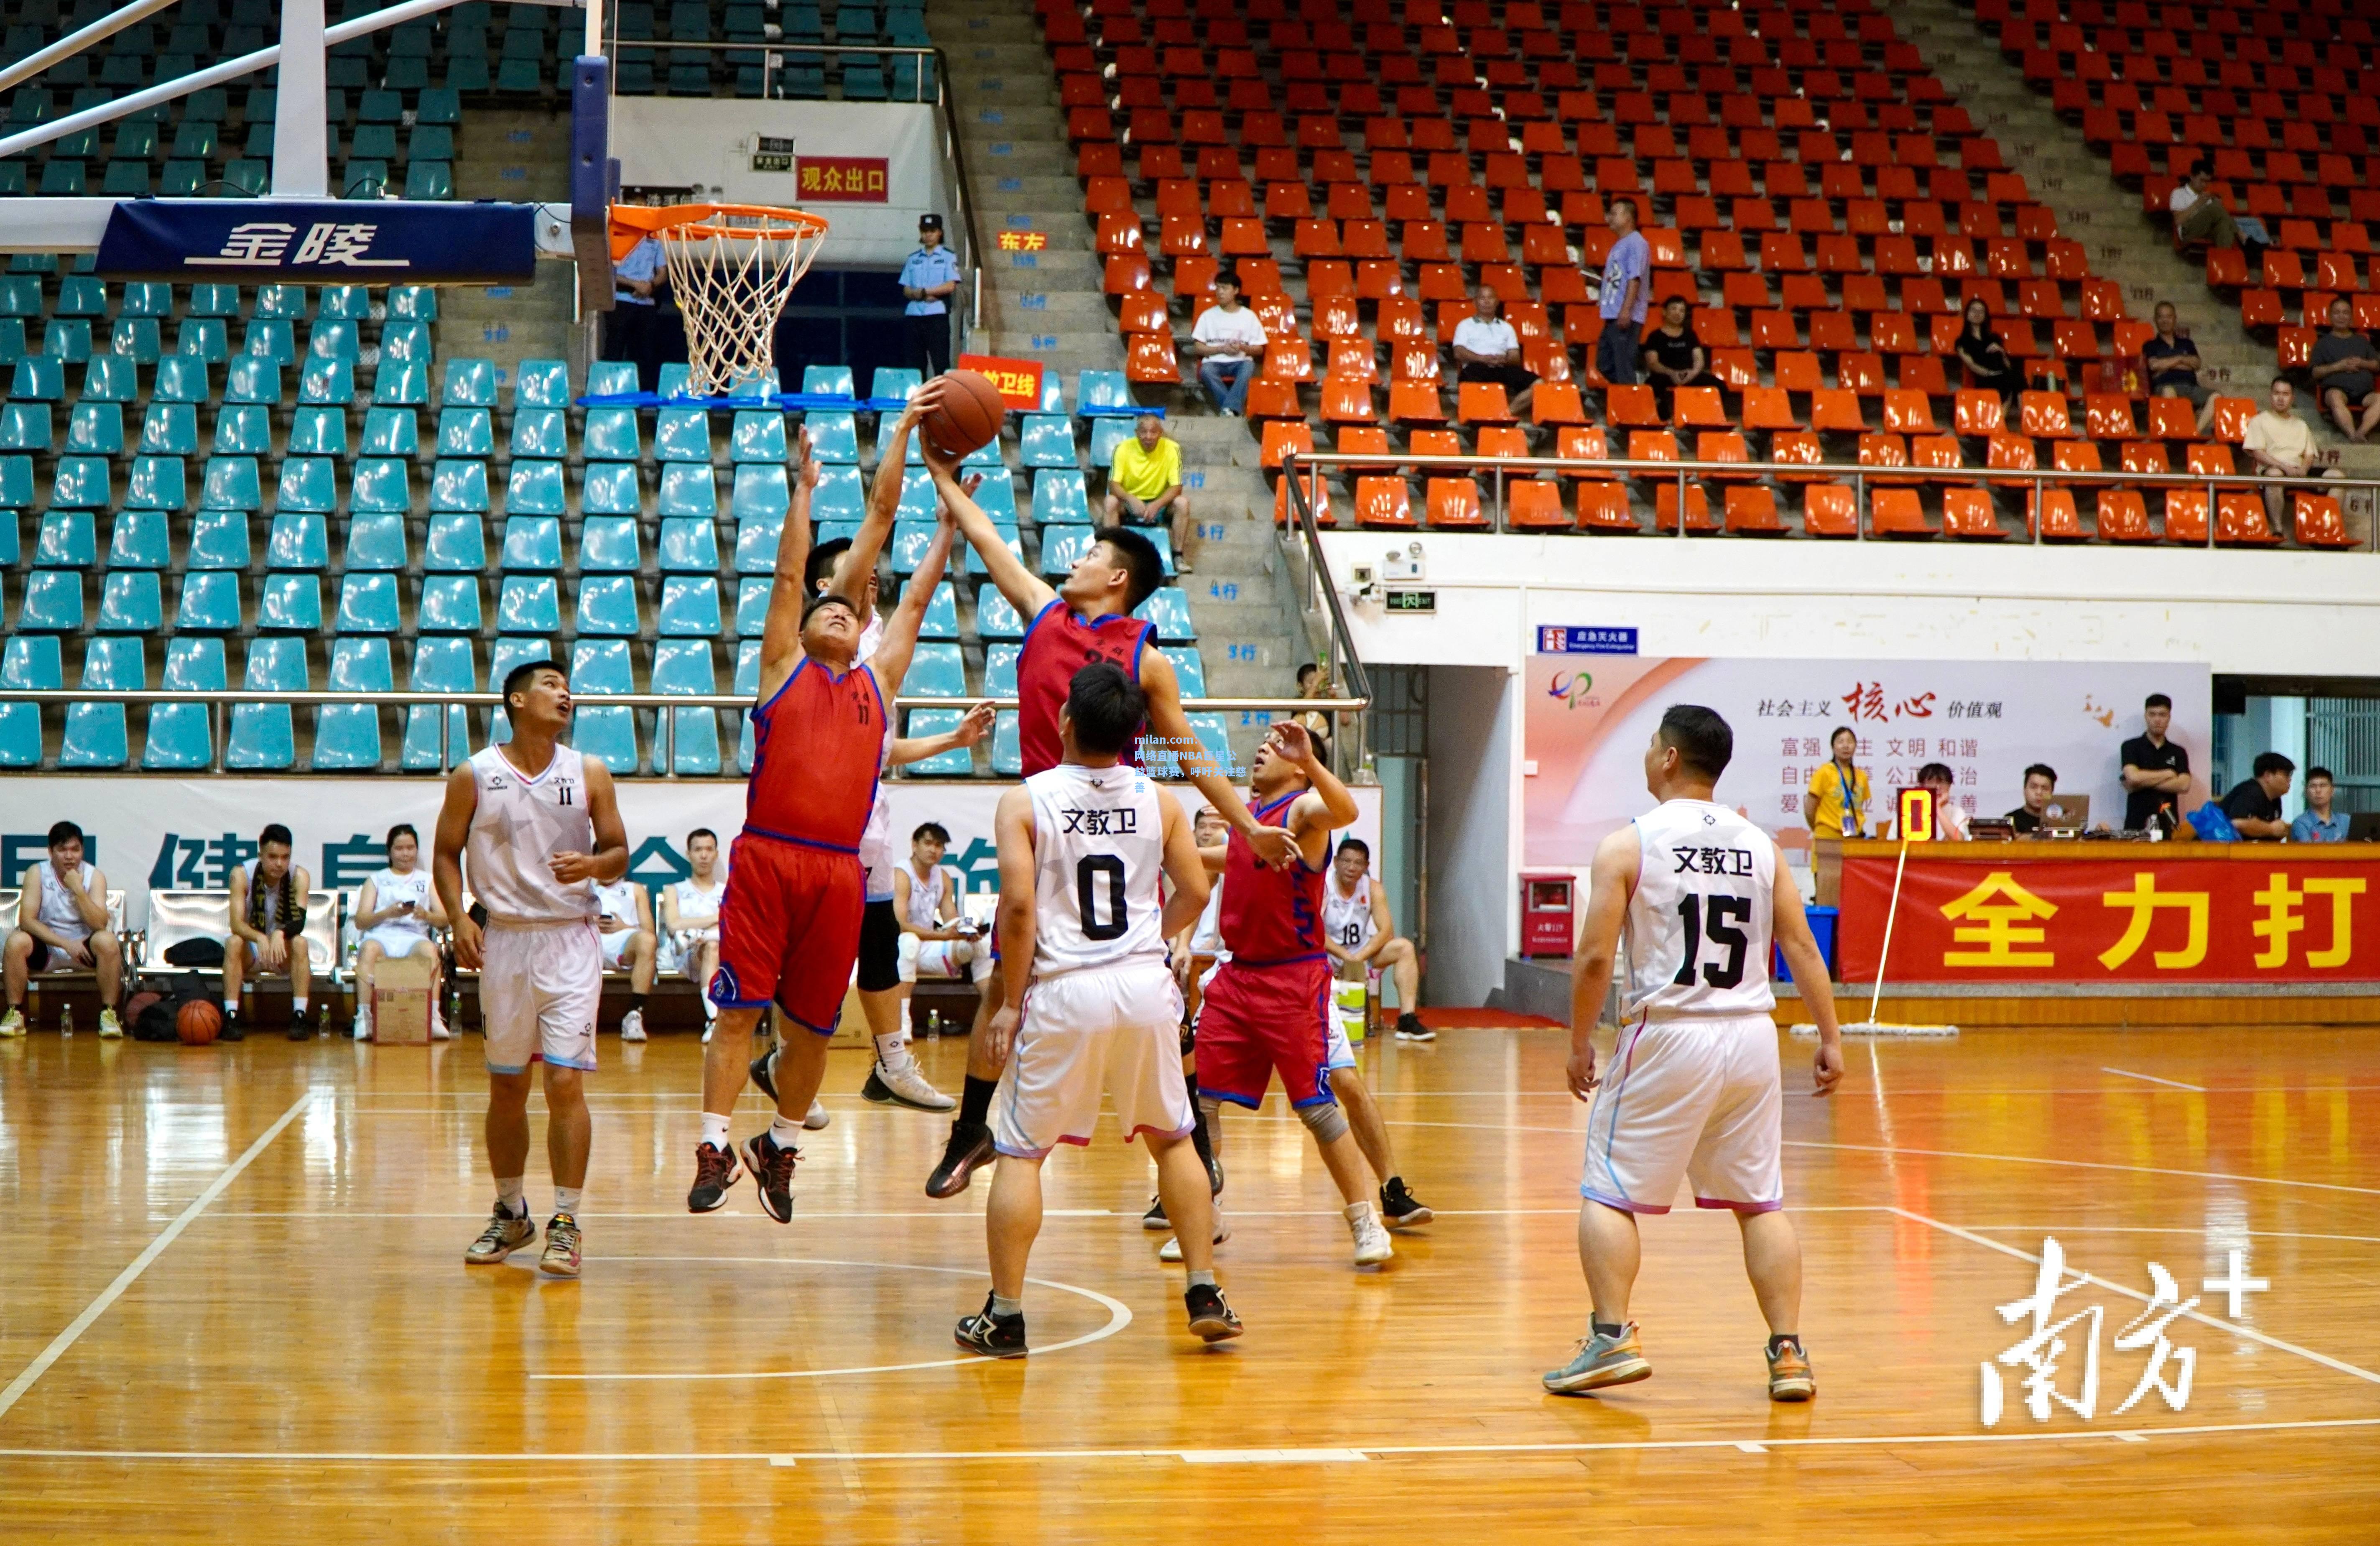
x=318, y=432
x=834, y=435
x=469, y=383
x=440, y=664
x=25, y=426
x=611, y=435
x=612, y=489
x=751, y=607
x=110, y=379
x=466, y=431
x=757, y=536
x=683, y=434
x=376, y=542
x=540, y=383
x=534, y=489
x=52, y=601
x=297, y=540
x=605, y=732
x=459, y=485
x=66, y=540
x=181, y=378
x=1106, y=436
x=307, y=486
x=290, y=603
x=169, y=429
x=382, y=485
x=138, y=540
x=957, y=762
x=1046, y=441
x=936, y=671
x=1168, y=608
x=456, y=543
x=994, y=618
x=94, y=732
x=688, y=489
x=269, y=340
x=81, y=482
x=541, y=433
x=1059, y=498
x=690, y=607
x=181, y=735
x=686, y=547
x=203, y=338
x=327, y=382
x=210, y=601
x=407, y=339
x=756, y=436
x=134, y=338
x=528, y=604
x=450, y=604
x=759, y=489
x=919, y=500
x=1063, y=546
x=344, y=303
x=611, y=378
x=684, y=665
x=367, y=605
x=1189, y=668
x=391, y=431
x=607, y=606
x=132, y=600
x=243, y=430
x=894, y=381
x=32, y=663
x=230, y=483
x=1007, y=745
x=218, y=540
x=1107, y=391
x=261, y=734
x=608, y=544
x=284, y=301
x=827, y=381
x=347, y=735
x=331, y=338
x=532, y=545
x=942, y=619
x=839, y=495
x=400, y=382
x=999, y=670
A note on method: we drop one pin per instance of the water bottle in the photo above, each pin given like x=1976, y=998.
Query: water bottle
x=66, y=1020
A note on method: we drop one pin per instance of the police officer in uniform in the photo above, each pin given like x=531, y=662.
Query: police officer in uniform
x=633, y=330
x=929, y=279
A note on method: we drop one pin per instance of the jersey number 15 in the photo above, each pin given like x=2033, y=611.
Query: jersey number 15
x=1721, y=920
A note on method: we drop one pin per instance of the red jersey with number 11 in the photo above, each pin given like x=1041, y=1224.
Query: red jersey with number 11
x=817, y=747
x=1059, y=643
x=1270, y=917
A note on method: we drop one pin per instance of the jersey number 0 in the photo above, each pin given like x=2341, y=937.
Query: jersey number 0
x=1719, y=920
x=1087, y=873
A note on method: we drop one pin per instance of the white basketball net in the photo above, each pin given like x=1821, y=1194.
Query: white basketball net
x=733, y=270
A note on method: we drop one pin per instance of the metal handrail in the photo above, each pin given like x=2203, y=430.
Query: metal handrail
x=1342, y=642
x=1857, y=474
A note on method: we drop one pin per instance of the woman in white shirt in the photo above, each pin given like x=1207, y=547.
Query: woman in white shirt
x=1222, y=341
x=395, y=913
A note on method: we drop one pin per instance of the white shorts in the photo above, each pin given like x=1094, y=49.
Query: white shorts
x=1114, y=1030
x=615, y=945
x=1692, y=1099
x=538, y=990
x=395, y=943
x=933, y=958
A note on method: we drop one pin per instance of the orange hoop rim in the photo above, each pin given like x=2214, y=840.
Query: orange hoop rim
x=632, y=222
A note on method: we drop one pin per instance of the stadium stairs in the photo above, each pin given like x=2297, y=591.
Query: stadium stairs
x=515, y=154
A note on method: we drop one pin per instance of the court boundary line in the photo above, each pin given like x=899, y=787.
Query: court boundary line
x=2152, y=1078
x=2234, y=1327
x=60, y=1345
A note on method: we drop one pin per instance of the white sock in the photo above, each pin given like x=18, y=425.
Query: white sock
x=509, y=1194
x=710, y=1010
x=298, y=1003
x=1003, y=1308
x=784, y=1131
x=565, y=1199
x=1357, y=1212
x=892, y=1051
x=714, y=1130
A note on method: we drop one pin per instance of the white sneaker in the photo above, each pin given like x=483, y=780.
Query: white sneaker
x=708, y=1026
x=110, y=1028
x=363, y=1024
x=12, y=1024
x=817, y=1116
x=1171, y=1249
x=438, y=1032
x=632, y=1026
x=1372, y=1244
x=904, y=1086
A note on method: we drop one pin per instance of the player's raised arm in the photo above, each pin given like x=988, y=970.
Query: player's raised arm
x=1162, y=690
x=1025, y=591
x=970, y=732
x=891, y=661
x=1324, y=807
x=1612, y=881
x=1791, y=927
x=858, y=560
x=781, y=631
x=1011, y=826
x=1186, y=867
x=446, y=860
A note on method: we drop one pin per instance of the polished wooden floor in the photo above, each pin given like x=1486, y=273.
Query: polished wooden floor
x=233, y=1308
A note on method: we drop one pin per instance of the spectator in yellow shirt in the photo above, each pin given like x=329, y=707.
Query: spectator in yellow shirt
x=1145, y=485
x=1836, y=803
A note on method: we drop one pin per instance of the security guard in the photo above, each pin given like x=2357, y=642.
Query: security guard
x=632, y=331
x=929, y=278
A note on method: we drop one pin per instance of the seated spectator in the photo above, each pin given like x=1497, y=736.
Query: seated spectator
x=2347, y=373
x=1486, y=348
x=62, y=925
x=1950, y=819
x=2040, y=782
x=1145, y=483
x=1673, y=356
x=394, y=912
x=2280, y=445
x=937, y=939
x=2172, y=362
x=1627, y=286
x=1312, y=682
x=268, y=928
x=625, y=924
x=2156, y=770
x=1226, y=341
x=690, y=917
x=2318, y=823
x=2199, y=216
x=1361, y=938
x=1986, y=359
x=2254, y=803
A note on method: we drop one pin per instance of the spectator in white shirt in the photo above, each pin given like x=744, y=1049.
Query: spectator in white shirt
x=2279, y=443
x=1950, y=819
x=1222, y=341
x=2199, y=216
x=1486, y=348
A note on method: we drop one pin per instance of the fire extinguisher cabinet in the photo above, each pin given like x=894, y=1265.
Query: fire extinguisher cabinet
x=1547, y=924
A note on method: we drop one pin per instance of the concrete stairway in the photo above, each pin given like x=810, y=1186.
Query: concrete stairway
x=2093, y=208
x=1047, y=306
x=517, y=155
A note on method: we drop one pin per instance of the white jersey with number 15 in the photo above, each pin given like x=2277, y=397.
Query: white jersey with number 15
x=1099, y=849
x=1699, y=924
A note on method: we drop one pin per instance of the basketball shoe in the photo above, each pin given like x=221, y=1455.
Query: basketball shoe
x=632, y=1026
x=715, y=1170
x=1171, y=1249
x=1372, y=1245
x=12, y=1023
x=110, y=1028
x=1788, y=1370
x=904, y=1086
x=969, y=1150
x=1400, y=1206
x=506, y=1233
x=994, y=1337
x=772, y=1171
x=1410, y=1028
x=1155, y=1218
x=1601, y=1360
x=764, y=1073
x=561, y=1258
x=1210, y=1318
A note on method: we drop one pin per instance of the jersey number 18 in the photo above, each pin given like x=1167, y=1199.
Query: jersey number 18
x=1719, y=920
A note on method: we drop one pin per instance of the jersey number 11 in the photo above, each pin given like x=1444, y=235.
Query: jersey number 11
x=1721, y=920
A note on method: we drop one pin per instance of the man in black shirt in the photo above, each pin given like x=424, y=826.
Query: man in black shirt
x=2172, y=362
x=2156, y=772
x=2040, y=782
x=2254, y=804
x=1673, y=356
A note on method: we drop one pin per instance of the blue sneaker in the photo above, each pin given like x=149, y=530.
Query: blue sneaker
x=1601, y=1360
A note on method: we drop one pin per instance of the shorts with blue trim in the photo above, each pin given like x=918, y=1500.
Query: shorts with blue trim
x=539, y=987
x=1257, y=1019
x=789, y=929
x=1692, y=1099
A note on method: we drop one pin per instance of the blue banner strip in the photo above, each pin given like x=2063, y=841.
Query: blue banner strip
x=330, y=241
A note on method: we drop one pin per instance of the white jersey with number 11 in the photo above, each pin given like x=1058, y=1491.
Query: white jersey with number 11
x=1099, y=849
x=1699, y=924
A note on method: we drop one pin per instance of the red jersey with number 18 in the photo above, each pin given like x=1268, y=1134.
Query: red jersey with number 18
x=816, y=748
x=1270, y=917
x=1059, y=643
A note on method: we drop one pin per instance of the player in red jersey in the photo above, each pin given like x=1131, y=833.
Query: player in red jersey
x=1088, y=617
x=1269, y=1006
x=789, y=923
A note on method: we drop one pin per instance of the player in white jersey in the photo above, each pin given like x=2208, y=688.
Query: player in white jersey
x=1693, y=1092
x=1362, y=939
x=394, y=912
x=938, y=940
x=62, y=925
x=624, y=926
x=690, y=917
x=1082, y=848
x=540, y=830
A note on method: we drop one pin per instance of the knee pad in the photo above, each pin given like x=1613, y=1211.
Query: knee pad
x=907, y=950
x=1323, y=1120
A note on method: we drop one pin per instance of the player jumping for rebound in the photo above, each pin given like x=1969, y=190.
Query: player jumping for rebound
x=540, y=829
x=1694, y=1092
x=789, y=924
x=1088, y=1003
x=1088, y=617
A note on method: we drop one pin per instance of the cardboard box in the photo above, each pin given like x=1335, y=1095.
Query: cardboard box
x=401, y=1001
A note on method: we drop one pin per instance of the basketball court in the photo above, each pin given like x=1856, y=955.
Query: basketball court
x=236, y=1306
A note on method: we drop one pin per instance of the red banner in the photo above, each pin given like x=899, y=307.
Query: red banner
x=844, y=180
x=1992, y=912
x=1019, y=380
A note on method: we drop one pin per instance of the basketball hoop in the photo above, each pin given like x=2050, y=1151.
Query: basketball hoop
x=732, y=267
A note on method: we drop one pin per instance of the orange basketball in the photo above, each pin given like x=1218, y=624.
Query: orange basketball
x=965, y=413
x=196, y=1023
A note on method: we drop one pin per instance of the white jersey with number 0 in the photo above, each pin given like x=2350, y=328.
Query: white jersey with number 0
x=1098, y=843
x=1347, y=919
x=519, y=824
x=1698, y=925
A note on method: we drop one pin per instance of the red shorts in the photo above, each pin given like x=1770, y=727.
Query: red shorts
x=1255, y=1019
x=789, y=930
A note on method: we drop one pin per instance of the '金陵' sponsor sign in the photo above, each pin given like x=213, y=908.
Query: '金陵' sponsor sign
x=259, y=241
x=849, y=179
x=1986, y=912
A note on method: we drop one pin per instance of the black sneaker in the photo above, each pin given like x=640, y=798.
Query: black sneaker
x=772, y=1171
x=1155, y=1217
x=994, y=1337
x=969, y=1150
x=1410, y=1028
x=715, y=1170
x=1210, y=1319
x=301, y=1026
x=1400, y=1206
x=764, y=1073
x=234, y=1029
